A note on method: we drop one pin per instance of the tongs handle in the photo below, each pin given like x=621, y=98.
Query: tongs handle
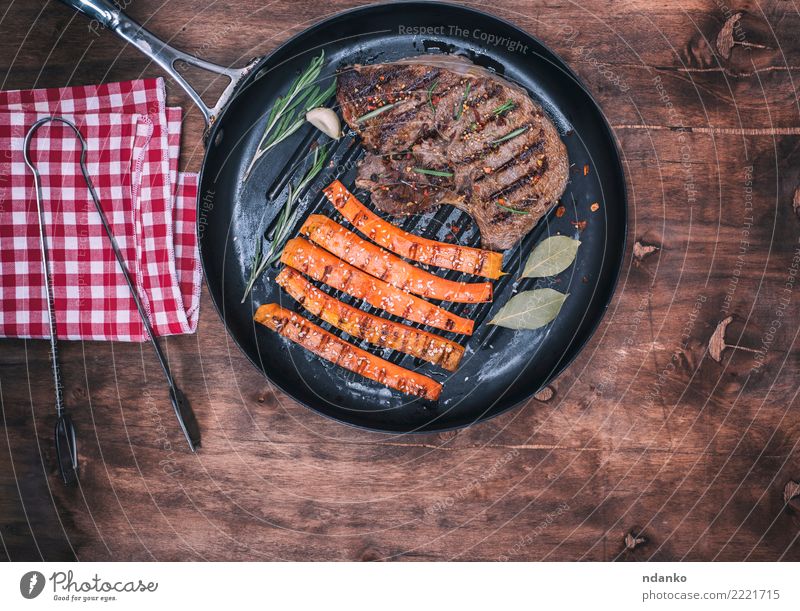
x=183, y=411
x=186, y=417
x=65, y=438
x=66, y=449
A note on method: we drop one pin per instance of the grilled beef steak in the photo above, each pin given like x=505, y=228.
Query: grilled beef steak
x=439, y=129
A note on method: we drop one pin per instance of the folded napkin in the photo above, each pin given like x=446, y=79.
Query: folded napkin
x=133, y=145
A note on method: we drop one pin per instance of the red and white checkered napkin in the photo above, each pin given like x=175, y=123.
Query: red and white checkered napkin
x=133, y=144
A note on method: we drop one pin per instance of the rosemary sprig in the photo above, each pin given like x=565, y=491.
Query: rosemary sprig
x=284, y=223
x=460, y=108
x=288, y=113
x=431, y=89
x=514, y=210
x=441, y=173
x=376, y=112
x=503, y=108
x=510, y=135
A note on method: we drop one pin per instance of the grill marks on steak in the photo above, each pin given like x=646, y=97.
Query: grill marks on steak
x=444, y=119
x=400, y=126
x=397, y=189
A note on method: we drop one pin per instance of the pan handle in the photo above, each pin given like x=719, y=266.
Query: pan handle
x=104, y=13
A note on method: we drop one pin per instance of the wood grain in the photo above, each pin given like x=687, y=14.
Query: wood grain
x=645, y=432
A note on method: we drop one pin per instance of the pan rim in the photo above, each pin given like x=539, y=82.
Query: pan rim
x=602, y=305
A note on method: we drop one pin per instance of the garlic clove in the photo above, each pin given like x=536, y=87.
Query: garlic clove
x=326, y=121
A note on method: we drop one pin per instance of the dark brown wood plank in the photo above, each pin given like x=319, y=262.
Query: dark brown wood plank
x=646, y=432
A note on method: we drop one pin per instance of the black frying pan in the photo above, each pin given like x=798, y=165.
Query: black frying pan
x=501, y=368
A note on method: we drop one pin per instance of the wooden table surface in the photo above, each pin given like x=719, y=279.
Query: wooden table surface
x=661, y=441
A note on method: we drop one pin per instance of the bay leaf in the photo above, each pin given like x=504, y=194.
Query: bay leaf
x=530, y=309
x=552, y=256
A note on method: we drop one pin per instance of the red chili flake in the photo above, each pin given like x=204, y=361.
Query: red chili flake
x=579, y=225
x=560, y=211
x=455, y=228
x=595, y=207
x=586, y=169
x=585, y=279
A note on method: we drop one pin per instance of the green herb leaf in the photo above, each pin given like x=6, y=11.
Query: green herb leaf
x=285, y=221
x=431, y=89
x=256, y=267
x=309, y=93
x=460, y=108
x=530, y=309
x=322, y=97
x=514, y=210
x=287, y=113
x=508, y=105
x=441, y=173
x=552, y=256
x=376, y=112
x=510, y=135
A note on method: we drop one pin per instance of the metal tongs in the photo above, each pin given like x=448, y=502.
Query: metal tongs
x=65, y=438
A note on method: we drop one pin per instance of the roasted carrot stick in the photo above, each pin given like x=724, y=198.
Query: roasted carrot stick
x=476, y=261
x=328, y=269
x=378, y=331
x=390, y=268
x=336, y=350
